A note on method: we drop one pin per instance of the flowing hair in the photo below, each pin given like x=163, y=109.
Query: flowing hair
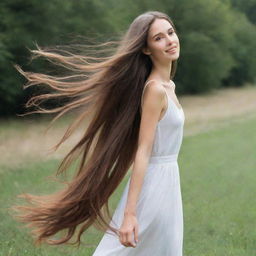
x=109, y=88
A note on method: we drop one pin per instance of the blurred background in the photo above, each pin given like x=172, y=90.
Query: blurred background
x=215, y=84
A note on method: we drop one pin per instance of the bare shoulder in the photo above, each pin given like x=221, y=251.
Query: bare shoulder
x=152, y=106
x=153, y=101
x=154, y=91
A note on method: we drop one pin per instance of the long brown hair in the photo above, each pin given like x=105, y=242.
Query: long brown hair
x=110, y=88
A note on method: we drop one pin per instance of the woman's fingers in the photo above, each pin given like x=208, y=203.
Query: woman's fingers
x=121, y=237
x=136, y=231
x=128, y=233
x=126, y=238
x=130, y=241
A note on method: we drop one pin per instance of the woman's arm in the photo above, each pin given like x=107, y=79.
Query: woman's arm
x=151, y=111
x=153, y=101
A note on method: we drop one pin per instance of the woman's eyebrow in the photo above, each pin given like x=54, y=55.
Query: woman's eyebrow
x=162, y=32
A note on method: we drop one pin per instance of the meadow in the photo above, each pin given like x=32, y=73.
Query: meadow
x=217, y=171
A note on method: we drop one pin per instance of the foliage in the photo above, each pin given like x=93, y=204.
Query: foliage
x=217, y=38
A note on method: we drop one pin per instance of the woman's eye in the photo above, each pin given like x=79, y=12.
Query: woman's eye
x=158, y=38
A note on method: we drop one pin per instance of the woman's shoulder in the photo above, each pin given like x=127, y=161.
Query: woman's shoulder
x=154, y=86
x=153, y=93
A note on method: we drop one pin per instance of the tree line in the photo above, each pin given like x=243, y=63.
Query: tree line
x=217, y=38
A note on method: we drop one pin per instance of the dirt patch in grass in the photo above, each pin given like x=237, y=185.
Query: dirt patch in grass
x=23, y=141
x=219, y=108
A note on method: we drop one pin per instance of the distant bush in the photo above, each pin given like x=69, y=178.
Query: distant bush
x=217, y=38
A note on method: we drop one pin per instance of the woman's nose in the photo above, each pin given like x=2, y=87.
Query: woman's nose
x=169, y=39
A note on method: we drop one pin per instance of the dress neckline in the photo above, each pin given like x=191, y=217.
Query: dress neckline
x=170, y=98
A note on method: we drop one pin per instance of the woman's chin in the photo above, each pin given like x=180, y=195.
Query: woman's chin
x=173, y=56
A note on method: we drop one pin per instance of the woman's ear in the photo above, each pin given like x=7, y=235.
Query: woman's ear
x=146, y=51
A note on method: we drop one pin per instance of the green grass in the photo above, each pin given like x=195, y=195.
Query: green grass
x=217, y=171
x=218, y=186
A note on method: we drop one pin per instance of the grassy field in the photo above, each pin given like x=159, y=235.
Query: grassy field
x=218, y=179
x=217, y=170
x=218, y=183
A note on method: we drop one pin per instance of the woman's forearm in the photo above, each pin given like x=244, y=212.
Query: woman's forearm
x=136, y=182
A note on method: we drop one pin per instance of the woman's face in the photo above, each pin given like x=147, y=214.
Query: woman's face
x=162, y=42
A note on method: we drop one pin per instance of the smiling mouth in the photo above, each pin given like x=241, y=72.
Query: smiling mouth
x=172, y=50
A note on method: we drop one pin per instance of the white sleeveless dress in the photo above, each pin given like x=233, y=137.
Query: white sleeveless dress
x=159, y=207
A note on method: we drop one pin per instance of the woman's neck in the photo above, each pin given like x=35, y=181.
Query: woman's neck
x=162, y=73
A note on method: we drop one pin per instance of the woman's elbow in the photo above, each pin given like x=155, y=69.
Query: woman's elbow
x=144, y=151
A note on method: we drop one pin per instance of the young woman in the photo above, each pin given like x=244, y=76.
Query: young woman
x=137, y=121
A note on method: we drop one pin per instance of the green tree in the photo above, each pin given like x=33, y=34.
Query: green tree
x=248, y=7
x=243, y=51
x=26, y=22
x=217, y=38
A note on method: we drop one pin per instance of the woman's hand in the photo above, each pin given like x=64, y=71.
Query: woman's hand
x=128, y=228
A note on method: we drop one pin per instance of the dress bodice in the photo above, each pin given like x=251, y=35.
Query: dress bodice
x=169, y=130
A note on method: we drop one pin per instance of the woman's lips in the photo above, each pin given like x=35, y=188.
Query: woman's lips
x=172, y=50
